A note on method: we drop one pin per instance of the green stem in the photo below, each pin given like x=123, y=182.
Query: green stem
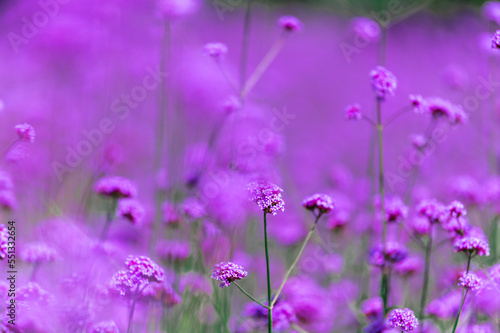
x=380, y=129
x=287, y=275
x=250, y=296
x=9, y=148
x=160, y=128
x=464, y=294
x=270, y=313
x=423, y=298
x=109, y=217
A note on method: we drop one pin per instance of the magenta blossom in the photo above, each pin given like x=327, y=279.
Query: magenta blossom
x=227, y=272
x=25, y=132
x=267, y=196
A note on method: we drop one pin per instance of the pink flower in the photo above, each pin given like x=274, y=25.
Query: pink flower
x=131, y=210
x=322, y=203
x=352, y=112
x=290, y=23
x=384, y=83
x=470, y=281
x=25, y=132
x=472, y=246
x=267, y=196
x=403, y=319
x=108, y=326
x=495, y=40
x=215, y=50
x=116, y=187
x=227, y=272
x=38, y=253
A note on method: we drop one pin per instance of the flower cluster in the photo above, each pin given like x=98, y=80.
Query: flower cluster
x=107, y=326
x=25, y=132
x=38, y=253
x=115, y=187
x=290, y=23
x=267, y=196
x=139, y=273
x=403, y=319
x=384, y=83
x=130, y=209
x=215, y=50
x=470, y=281
x=472, y=246
x=353, y=112
x=227, y=272
x=320, y=203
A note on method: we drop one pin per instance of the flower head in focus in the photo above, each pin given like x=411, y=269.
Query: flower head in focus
x=472, y=246
x=227, y=272
x=267, y=196
x=470, y=281
x=403, y=319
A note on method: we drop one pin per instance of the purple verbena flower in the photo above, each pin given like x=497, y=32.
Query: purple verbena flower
x=227, y=272
x=107, y=326
x=420, y=226
x=383, y=82
x=418, y=140
x=267, y=196
x=353, y=112
x=131, y=210
x=4, y=240
x=472, y=246
x=144, y=270
x=215, y=50
x=192, y=208
x=403, y=319
x=491, y=11
x=394, y=253
x=116, y=187
x=320, y=203
x=408, y=266
x=36, y=253
x=25, y=132
x=8, y=200
x=441, y=108
x=418, y=103
x=431, y=209
x=366, y=29
x=373, y=307
x=470, y=281
x=290, y=23
x=170, y=215
x=495, y=40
